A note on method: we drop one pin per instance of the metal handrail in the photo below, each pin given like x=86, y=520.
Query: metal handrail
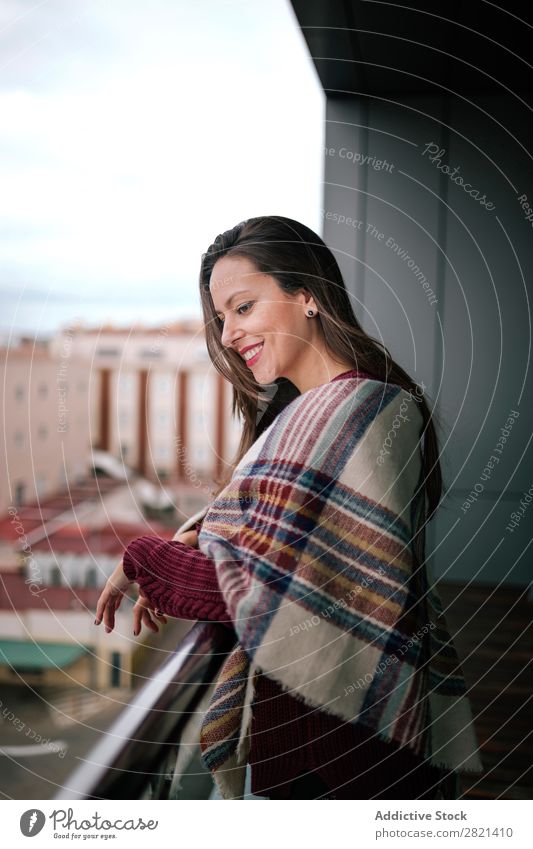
x=123, y=763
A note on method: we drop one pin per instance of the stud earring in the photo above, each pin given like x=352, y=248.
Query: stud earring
x=310, y=313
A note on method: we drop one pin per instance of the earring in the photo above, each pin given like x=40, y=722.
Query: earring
x=310, y=313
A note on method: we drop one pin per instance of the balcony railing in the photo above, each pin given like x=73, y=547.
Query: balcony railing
x=143, y=753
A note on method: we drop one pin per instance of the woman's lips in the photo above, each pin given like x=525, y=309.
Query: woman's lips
x=254, y=359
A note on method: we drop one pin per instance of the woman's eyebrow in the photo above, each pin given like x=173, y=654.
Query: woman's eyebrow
x=235, y=294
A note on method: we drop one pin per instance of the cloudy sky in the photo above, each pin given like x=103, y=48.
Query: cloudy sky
x=132, y=132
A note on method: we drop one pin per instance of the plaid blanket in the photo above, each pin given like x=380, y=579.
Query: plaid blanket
x=312, y=542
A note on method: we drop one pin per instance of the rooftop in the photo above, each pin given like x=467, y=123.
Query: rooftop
x=27, y=655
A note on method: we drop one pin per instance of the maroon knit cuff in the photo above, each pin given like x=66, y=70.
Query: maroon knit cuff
x=129, y=566
x=178, y=579
x=136, y=554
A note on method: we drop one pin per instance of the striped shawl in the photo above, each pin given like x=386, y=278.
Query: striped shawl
x=313, y=545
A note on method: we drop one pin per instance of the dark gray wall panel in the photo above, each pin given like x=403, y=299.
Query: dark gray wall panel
x=471, y=346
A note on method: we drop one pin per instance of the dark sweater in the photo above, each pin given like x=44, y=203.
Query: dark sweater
x=288, y=738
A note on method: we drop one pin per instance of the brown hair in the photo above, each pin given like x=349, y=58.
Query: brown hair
x=297, y=258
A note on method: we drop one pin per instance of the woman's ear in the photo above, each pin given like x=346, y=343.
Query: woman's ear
x=308, y=300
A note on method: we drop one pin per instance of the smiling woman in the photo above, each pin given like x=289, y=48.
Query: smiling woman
x=295, y=303
x=271, y=332
x=344, y=681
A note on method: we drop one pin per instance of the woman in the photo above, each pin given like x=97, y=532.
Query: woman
x=344, y=682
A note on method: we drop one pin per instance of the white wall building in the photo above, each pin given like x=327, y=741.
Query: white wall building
x=45, y=422
x=156, y=401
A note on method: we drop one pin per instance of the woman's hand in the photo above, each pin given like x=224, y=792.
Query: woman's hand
x=111, y=598
x=142, y=614
x=115, y=588
x=189, y=538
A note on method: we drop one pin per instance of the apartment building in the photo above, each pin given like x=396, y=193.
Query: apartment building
x=156, y=402
x=45, y=423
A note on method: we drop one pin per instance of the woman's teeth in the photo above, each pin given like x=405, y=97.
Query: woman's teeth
x=252, y=352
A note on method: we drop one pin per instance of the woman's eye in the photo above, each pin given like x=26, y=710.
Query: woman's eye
x=238, y=310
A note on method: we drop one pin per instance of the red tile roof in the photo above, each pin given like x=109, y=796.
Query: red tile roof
x=17, y=595
x=75, y=537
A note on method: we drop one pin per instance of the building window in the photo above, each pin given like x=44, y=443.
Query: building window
x=115, y=669
x=41, y=485
x=43, y=431
x=19, y=438
x=125, y=382
x=91, y=577
x=43, y=390
x=162, y=452
x=20, y=494
x=108, y=352
x=55, y=576
x=19, y=392
x=151, y=353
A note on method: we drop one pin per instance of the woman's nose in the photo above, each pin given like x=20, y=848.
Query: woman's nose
x=230, y=333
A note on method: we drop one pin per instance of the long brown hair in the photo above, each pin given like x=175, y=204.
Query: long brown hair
x=297, y=258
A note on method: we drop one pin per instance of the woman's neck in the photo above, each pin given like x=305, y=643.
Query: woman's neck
x=321, y=370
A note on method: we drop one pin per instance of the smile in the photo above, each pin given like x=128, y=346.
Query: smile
x=251, y=356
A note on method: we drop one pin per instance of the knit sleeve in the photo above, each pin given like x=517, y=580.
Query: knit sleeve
x=177, y=579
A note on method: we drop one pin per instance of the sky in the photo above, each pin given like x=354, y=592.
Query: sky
x=132, y=133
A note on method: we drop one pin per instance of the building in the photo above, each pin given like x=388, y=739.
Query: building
x=145, y=414
x=52, y=571
x=45, y=429
x=156, y=402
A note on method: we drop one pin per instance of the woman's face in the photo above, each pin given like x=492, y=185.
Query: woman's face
x=257, y=313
